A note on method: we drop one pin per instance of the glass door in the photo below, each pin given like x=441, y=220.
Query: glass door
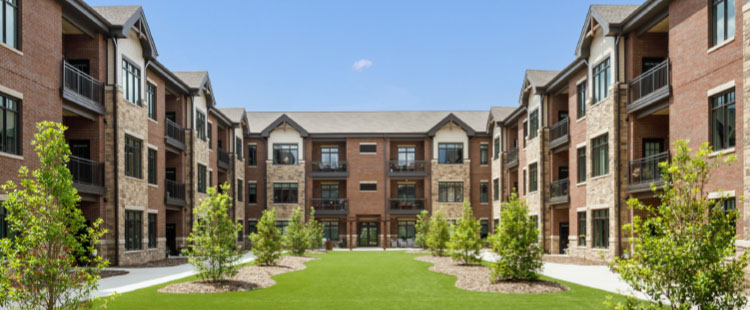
x=368, y=234
x=329, y=157
x=406, y=157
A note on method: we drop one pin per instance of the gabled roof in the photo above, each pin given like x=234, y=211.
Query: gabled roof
x=283, y=119
x=236, y=115
x=537, y=80
x=609, y=17
x=123, y=18
x=173, y=82
x=498, y=115
x=451, y=119
x=197, y=81
x=559, y=82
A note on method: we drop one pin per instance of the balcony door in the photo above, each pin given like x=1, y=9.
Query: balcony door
x=406, y=157
x=648, y=63
x=81, y=64
x=329, y=191
x=329, y=157
x=407, y=191
x=170, y=174
x=80, y=148
x=172, y=116
x=652, y=147
x=562, y=173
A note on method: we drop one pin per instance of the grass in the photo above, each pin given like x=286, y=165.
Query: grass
x=350, y=280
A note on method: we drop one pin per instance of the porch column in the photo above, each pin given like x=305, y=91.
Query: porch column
x=349, y=232
x=387, y=233
x=382, y=229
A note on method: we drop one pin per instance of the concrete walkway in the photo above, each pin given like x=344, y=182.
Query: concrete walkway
x=139, y=278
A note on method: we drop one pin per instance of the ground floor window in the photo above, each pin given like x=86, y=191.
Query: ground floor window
x=152, y=230
x=600, y=219
x=582, y=228
x=133, y=230
x=4, y=231
x=535, y=219
x=406, y=230
x=485, y=229
x=240, y=233
x=252, y=227
x=330, y=230
x=281, y=226
x=727, y=205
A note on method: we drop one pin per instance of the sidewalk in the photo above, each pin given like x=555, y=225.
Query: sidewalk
x=138, y=278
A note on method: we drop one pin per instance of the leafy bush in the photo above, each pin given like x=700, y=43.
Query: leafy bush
x=465, y=241
x=266, y=242
x=314, y=231
x=516, y=243
x=421, y=227
x=296, y=239
x=438, y=234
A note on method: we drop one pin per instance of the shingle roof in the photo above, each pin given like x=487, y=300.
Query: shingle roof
x=380, y=122
x=540, y=78
x=614, y=14
x=500, y=113
x=233, y=114
x=193, y=79
x=117, y=15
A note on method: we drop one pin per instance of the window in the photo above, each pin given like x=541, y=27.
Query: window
x=601, y=80
x=329, y=191
x=535, y=220
x=240, y=233
x=406, y=156
x=210, y=134
x=368, y=187
x=581, y=164
x=133, y=230
x=722, y=21
x=525, y=132
x=723, y=111
x=451, y=191
x=406, y=229
x=238, y=148
x=496, y=148
x=484, y=192
x=727, y=205
x=600, y=219
x=4, y=229
x=252, y=193
x=533, y=178
x=201, y=178
x=329, y=157
x=151, y=100
x=407, y=191
x=496, y=189
x=133, y=157
x=581, y=100
x=599, y=156
x=151, y=166
x=252, y=155
x=368, y=148
x=330, y=230
x=285, y=154
x=281, y=226
x=131, y=82
x=450, y=153
x=484, y=154
x=152, y=230
x=285, y=193
x=9, y=24
x=240, y=187
x=200, y=125
x=485, y=230
x=534, y=124
x=524, y=181
x=252, y=227
x=10, y=133
x=210, y=178
x=582, y=228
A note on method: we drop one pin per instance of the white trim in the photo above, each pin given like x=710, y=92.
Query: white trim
x=746, y=7
x=722, y=152
x=134, y=208
x=12, y=49
x=599, y=207
x=581, y=209
x=368, y=182
x=581, y=184
x=132, y=134
x=152, y=120
x=153, y=147
x=152, y=82
x=580, y=145
x=153, y=185
x=720, y=88
x=599, y=177
x=599, y=133
x=252, y=182
x=721, y=194
x=581, y=119
x=3, y=197
x=742, y=243
x=11, y=92
x=152, y=211
x=202, y=163
x=720, y=45
x=12, y=156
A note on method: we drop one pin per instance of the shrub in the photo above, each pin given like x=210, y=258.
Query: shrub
x=266, y=242
x=465, y=241
x=684, y=251
x=516, y=243
x=296, y=239
x=438, y=234
x=314, y=231
x=213, y=249
x=421, y=227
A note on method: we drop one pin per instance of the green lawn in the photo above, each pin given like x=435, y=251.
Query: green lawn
x=366, y=280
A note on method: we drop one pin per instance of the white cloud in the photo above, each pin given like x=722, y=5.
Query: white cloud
x=362, y=64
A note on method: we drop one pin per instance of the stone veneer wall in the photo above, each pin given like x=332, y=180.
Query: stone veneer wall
x=744, y=236
x=287, y=174
x=450, y=173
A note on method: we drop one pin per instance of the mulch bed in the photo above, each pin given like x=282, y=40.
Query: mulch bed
x=169, y=262
x=417, y=251
x=569, y=260
x=106, y=273
x=477, y=278
x=248, y=278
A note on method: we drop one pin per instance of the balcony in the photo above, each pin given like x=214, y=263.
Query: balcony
x=559, y=192
x=174, y=135
x=222, y=159
x=646, y=171
x=511, y=158
x=330, y=170
x=407, y=168
x=406, y=206
x=330, y=207
x=82, y=89
x=559, y=133
x=650, y=88
x=174, y=193
x=88, y=175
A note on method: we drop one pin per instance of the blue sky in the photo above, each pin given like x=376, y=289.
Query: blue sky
x=347, y=55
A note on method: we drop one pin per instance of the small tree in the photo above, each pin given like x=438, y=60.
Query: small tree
x=438, y=234
x=296, y=239
x=683, y=252
x=47, y=265
x=516, y=243
x=266, y=243
x=465, y=241
x=213, y=249
x=314, y=231
x=422, y=226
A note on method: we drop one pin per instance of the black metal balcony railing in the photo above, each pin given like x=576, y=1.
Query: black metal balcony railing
x=646, y=170
x=512, y=157
x=174, y=192
x=223, y=159
x=82, y=84
x=324, y=204
x=559, y=131
x=407, y=204
x=175, y=131
x=329, y=166
x=86, y=172
x=650, y=81
x=559, y=189
x=407, y=166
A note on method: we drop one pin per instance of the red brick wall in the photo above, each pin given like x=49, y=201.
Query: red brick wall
x=257, y=174
x=643, y=46
x=366, y=167
x=83, y=47
x=156, y=138
x=577, y=136
x=478, y=174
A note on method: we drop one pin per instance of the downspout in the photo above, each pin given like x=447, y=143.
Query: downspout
x=114, y=146
x=542, y=189
x=234, y=181
x=189, y=120
x=618, y=182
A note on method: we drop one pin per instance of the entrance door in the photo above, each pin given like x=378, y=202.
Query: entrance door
x=170, y=174
x=171, y=230
x=368, y=234
x=564, y=231
x=171, y=116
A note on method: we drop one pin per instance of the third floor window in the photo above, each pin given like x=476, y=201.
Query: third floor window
x=534, y=124
x=238, y=147
x=10, y=134
x=151, y=100
x=131, y=82
x=722, y=21
x=329, y=156
x=484, y=154
x=581, y=100
x=200, y=125
x=601, y=80
x=450, y=153
x=285, y=154
x=252, y=155
x=9, y=24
